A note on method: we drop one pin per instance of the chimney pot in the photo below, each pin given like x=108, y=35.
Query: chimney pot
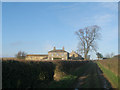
x=54, y=48
x=63, y=48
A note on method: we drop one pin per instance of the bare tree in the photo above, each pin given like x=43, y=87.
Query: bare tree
x=109, y=55
x=20, y=55
x=112, y=54
x=87, y=39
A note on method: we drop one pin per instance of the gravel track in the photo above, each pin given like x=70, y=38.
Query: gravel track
x=92, y=77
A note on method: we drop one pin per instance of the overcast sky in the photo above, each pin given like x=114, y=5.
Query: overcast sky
x=37, y=27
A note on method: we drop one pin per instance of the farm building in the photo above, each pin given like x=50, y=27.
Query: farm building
x=75, y=56
x=36, y=57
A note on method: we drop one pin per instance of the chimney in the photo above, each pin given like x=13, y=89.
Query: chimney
x=63, y=48
x=54, y=48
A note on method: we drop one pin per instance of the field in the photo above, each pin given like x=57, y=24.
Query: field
x=58, y=74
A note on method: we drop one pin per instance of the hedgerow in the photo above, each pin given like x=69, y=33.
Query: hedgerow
x=35, y=74
x=26, y=74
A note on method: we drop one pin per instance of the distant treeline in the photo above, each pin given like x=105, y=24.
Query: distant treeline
x=35, y=74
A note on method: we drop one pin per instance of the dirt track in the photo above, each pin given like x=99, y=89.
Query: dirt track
x=92, y=77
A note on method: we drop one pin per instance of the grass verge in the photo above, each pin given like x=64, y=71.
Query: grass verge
x=113, y=79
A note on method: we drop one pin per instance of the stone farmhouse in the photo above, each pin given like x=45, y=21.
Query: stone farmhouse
x=58, y=54
x=55, y=54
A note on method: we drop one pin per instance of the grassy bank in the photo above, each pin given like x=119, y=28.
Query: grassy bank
x=112, y=77
x=111, y=64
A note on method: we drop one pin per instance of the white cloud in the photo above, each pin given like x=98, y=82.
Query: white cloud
x=100, y=20
x=19, y=43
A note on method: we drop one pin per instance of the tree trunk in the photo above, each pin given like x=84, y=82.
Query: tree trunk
x=85, y=56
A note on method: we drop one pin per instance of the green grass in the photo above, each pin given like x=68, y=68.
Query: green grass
x=110, y=75
x=65, y=82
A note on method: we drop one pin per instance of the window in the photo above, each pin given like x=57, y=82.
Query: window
x=52, y=54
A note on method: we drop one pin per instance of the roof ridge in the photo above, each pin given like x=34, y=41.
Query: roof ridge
x=58, y=50
x=37, y=55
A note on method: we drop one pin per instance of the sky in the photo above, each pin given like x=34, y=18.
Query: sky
x=60, y=0
x=36, y=27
